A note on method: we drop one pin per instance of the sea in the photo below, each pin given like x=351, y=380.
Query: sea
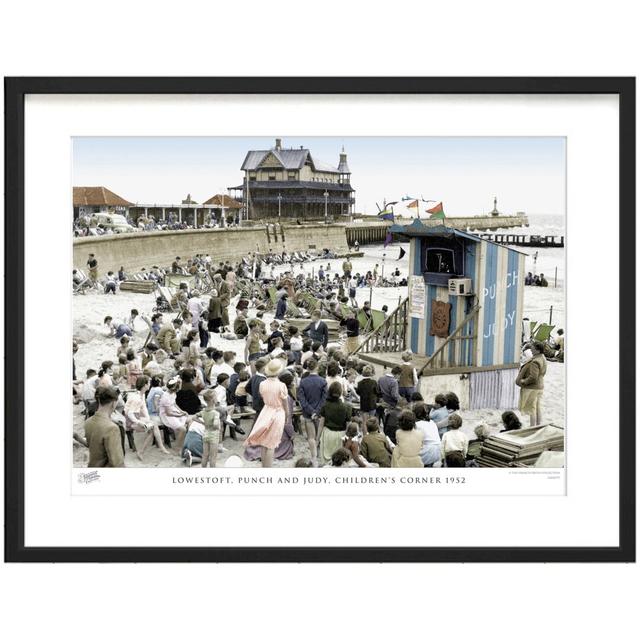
x=548, y=261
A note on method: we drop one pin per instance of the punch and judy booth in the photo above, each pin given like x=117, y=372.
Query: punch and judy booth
x=462, y=318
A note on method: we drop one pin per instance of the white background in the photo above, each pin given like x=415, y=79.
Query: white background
x=54, y=517
x=489, y=38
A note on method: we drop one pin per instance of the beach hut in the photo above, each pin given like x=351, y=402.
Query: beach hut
x=462, y=317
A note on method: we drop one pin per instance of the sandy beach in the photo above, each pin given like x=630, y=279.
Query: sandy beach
x=94, y=346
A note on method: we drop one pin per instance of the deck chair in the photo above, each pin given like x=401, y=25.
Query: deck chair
x=167, y=297
x=295, y=311
x=272, y=295
x=347, y=309
x=542, y=332
x=82, y=285
x=378, y=319
x=151, y=336
x=311, y=302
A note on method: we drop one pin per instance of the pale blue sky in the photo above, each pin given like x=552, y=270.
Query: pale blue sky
x=525, y=173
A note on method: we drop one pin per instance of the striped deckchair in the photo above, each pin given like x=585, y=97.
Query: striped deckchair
x=84, y=284
x=272, y=295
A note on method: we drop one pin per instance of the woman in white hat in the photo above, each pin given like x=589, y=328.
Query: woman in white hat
x=269, y=425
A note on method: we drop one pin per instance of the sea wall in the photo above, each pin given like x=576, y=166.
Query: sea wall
x=136, y=250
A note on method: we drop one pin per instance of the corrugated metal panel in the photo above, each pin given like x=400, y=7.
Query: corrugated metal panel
x=493, y=389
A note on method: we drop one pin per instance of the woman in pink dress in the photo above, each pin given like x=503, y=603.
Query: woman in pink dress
x=269, y=425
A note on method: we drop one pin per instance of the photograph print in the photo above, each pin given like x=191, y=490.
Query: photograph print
x=311, y=302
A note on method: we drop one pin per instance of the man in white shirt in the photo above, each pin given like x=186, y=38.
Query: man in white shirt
x=130, y=320
x=195, y=307
x=89, y=392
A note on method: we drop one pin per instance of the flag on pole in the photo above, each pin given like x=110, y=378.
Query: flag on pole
x=413, y=205
x=402, y=253
x=388, y=239
x=437, y=212
x=386, y=214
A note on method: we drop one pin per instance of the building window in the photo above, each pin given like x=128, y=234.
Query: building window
x=292, y=175
x=252, y=176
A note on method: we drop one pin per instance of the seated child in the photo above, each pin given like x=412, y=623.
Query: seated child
x=454, y=440
x=440, y=414
x=351, y=394
x=276, y=344
x=241, y=392
x=295, y=343
x=120, y=372
x=350, y=443
x=392, y=419
x=375, y=446
x=340, y=458
x=124, y=346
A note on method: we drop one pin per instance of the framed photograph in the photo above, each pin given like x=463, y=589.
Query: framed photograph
x=320, y=319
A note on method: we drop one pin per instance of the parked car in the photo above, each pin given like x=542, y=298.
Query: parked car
x=114, y=221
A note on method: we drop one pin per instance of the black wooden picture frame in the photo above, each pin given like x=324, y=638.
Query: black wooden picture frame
x=15, y=91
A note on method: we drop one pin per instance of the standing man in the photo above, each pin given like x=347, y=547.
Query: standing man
x=195, y=306
x=531, y=382
x=224, y=293
x=92, y=263
x=102, y=434
x=388, y=387
x=353, y=331
x=317, y=330
x=281, y=307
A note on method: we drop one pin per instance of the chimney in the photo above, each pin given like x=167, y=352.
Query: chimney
x=278, y=144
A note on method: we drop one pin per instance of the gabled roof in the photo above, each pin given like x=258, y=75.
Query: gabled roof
x=222, y=200
x=288, y=158
x=95, y=196
x=418, y=229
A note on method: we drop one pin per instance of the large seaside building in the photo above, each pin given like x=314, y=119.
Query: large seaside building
x=291, y=183
x=90, y=200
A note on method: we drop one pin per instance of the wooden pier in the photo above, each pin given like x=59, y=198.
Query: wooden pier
x=524, y=240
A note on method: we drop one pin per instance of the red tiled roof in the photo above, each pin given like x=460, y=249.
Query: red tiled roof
x=224, y=201
x=94, y=196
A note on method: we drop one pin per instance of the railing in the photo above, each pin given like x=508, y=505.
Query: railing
x=455, y=357
x=390, y=335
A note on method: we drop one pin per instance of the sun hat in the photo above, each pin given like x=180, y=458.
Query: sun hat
x=273, y=368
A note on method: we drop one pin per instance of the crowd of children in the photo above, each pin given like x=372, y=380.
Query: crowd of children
x=291, y=393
